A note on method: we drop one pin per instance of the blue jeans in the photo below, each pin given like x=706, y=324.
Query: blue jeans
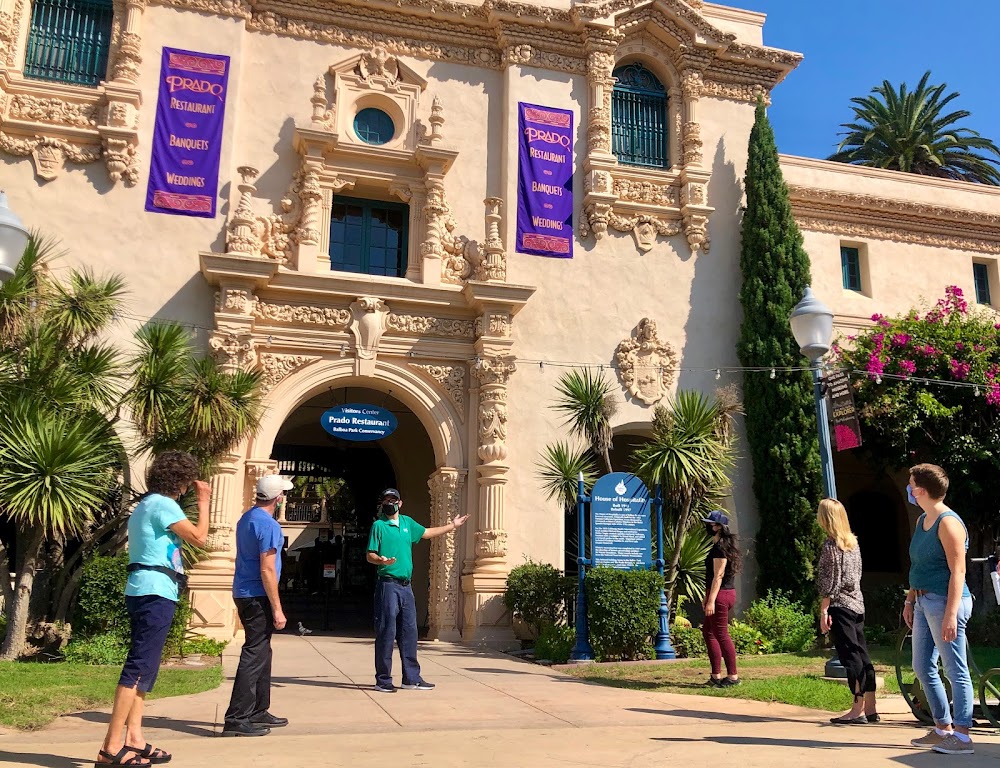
x=395, y=621
x=928, y=645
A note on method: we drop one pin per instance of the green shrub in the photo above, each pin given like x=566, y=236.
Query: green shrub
x=202, y=646
x=782, y=622
x=537, y=593
x=107, y=648
x=100, y=607
x=748, y=640
x=101, y=611
x=555, y=643
x=622, y=610
x=687, y=641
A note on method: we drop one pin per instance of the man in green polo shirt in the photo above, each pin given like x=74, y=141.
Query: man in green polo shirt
x=390, y=547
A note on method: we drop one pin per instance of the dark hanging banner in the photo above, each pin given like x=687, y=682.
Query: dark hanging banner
x=843, y=414
x=187, y=138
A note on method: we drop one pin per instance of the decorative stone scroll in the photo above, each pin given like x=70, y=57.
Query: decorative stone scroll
x=233, y=349
x=277, y=367
x=645, y=364
x=451, y=378
x=368, y=323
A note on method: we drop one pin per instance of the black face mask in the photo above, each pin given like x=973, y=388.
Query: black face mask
x=709, y=529
x=389, y=508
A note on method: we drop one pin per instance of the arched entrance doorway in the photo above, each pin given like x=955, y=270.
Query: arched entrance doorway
x=327, y=582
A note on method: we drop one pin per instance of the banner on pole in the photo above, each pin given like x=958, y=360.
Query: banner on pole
x=619, y=514
x=545, y=181
x=843, y=413
x=187, y=138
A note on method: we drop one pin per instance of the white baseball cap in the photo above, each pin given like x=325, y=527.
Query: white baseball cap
x=272, y=486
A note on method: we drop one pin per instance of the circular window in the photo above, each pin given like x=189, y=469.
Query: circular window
x=374, y=126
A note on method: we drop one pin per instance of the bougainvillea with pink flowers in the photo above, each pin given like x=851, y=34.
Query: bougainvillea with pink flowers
x=906, y=420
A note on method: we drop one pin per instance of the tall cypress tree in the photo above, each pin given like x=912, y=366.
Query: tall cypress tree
x=780, y=412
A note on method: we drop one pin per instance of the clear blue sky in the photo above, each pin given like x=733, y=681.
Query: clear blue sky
x=852, y=45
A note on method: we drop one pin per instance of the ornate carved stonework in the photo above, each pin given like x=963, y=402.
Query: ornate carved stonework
x=332, y=317
x=379, y=66
x=54, y=123
x=430, y=326
x=277, y=367
x=645, y=364
x=646, y=192
x=233, y=350
x=368, y=316
x=236, y=300
x=852, y=214
x=452, y=380
x=494, y=371
x=446, y=503
x=492, y=543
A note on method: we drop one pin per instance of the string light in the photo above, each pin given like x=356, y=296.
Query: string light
x=718, y=374
x=773, y=374
x=878, y=379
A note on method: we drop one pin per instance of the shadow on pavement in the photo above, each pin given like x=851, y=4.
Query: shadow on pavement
x=497, y=671
x=723, y=716
x=45, y=761
x=191, y=727
x=320, y=682
x=763, y=741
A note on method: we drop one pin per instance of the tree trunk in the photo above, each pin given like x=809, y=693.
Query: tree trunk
x=675, y=557
x=14, y=642
x=6, y=593
x=67, y=596
x=606, y=455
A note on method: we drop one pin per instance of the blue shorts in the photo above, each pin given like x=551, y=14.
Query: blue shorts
x=150, y=617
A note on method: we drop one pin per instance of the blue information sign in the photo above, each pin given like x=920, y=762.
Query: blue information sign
x=359, y=422
x=619, y=513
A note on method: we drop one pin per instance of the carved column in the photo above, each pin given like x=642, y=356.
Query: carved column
x=211, y=580
x=484, y=610
x=694, y=176
x=494, y=266
x=435, y=214
x=446, y=486
x=600, y=45
x=242, y=232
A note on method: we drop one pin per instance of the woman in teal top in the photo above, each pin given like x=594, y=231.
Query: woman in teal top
x=937, y=608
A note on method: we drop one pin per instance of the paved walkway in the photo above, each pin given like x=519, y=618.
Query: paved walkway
x=488, y=709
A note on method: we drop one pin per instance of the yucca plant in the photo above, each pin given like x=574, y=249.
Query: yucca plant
x=903, y=130
x=559, y=470
x=588, y=403
x=689, y=456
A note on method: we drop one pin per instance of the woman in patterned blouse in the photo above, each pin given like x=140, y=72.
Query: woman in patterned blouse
x=843, y=609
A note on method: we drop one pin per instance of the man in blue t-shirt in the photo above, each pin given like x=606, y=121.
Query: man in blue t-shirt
x=255, y=591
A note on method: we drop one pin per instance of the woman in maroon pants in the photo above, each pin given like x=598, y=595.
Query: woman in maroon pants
x=721, y=566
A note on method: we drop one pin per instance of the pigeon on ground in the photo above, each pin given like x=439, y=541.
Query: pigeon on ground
x=303, y=631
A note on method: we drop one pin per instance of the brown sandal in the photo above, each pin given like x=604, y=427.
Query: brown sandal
x=135, y=761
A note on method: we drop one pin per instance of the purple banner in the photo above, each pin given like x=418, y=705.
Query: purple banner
x=545, y=181
x=187, y=140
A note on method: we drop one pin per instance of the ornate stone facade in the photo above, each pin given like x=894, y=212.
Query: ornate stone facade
x=54, y=123
x=446, y=504
x=646, y=364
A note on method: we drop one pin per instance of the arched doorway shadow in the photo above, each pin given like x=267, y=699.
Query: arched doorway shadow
x=330, y=513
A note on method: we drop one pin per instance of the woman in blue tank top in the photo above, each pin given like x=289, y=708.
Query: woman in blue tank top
x=938, y=606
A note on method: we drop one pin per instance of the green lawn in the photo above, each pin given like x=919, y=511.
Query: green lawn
x=33, y=695
x=787, y=678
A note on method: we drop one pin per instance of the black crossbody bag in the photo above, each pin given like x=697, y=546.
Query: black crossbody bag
x=179, y=578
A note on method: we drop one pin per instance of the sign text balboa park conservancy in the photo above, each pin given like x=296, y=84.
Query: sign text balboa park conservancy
x=359, y=422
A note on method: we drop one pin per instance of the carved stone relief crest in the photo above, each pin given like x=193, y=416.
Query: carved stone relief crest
x=368, y=324
x=645, y=364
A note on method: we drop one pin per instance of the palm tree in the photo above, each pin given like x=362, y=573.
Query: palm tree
x=587, y=401
x=559, y=470
x=904, y=130
x=62, y=391
x=59, y=454
x=689, y=456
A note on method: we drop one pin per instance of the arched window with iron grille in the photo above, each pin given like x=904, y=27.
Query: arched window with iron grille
x=639, y=118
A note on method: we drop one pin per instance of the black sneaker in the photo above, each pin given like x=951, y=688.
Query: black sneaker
x=420, y=685
x=269, y=721
x=244, y=728
x=728, y=682
x=713, y=682
x=385, y=688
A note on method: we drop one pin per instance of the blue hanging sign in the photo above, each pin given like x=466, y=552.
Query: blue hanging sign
x=359, y=422
x=619, y=514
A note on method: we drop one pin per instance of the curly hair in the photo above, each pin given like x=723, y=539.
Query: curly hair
x=171, y=472
x=731, y=549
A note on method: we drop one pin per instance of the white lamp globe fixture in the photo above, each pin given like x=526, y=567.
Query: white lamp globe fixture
x=812, y=326
x=13, y=240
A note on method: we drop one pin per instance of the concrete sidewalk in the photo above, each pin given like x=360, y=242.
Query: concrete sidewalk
x=488, y=709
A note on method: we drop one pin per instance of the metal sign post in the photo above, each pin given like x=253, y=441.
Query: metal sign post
x=582, y=651
x=662, y=646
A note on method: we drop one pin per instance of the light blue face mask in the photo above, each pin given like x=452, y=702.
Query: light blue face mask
x=909, y=496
